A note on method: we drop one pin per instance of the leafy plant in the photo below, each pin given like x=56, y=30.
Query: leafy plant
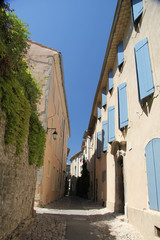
x=19, y=92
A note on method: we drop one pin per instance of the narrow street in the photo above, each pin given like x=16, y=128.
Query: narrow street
x=72, y=218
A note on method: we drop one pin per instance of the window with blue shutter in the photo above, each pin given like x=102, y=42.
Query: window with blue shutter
x=120, y=54
x=110, y=80
x=137, y=9
x=111, y=124
x=152, y=151
x=144, y=70
x=99, y=139
x=104, y=97
x=99, y=110
x=122, y=105
x=104, y=136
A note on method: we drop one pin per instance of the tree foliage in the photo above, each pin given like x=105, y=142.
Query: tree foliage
x=19, y=93
x=82, y=186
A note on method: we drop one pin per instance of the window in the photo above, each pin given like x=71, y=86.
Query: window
x=99, y=144
x=153, y=173
x=111, y=124
x=120, y=54
x=122, y=105
x=144, y=70
x=104, y=136
x=49, y=168
x=104, y=97
x=103, y=176
x=50, y=132
x=54, y=179
x=137, y=9
x=99, y=110
x=110, y=80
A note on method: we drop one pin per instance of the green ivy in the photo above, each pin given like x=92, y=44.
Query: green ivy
x=36, y=140
x=19, y=92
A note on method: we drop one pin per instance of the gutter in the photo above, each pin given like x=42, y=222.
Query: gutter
x=62, y=74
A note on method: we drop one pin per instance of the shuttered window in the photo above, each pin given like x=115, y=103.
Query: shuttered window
x=99, y=110
x=120, y=54
x=153, y=173
x=137, y=9
x=122, y=105
x=99, y=139
x=110, y=80
x=111, y=124
x=104, y=136
x=144, y=71
x=104, y=97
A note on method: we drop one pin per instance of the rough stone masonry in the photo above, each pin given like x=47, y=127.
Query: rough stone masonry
x=17, y=186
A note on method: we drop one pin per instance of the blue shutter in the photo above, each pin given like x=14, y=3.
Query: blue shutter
x=99, y=144
x=104, y=97
x=104, y=136
x=144, y=71
x=111, y=124
x=99, y=110
x=120, y=54
x=156, y=154
x=153, y=173
x=110, y=80
x=137, y=8
x=122, y=105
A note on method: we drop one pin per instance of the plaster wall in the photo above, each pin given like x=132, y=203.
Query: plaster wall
x=143, y=122
x=45, y=65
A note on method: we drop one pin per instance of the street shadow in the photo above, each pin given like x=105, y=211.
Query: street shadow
x=74, y=203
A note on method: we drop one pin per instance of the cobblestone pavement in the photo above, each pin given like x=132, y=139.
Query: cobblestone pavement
x=104, y=225
x=45, y=227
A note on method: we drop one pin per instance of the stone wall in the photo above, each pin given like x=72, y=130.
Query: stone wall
x=17, y=186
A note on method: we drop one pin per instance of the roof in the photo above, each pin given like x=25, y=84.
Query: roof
x=76, y=154
x=121, y=19
x=41, y=45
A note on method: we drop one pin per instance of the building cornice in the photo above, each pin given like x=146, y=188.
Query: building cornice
x=120, y=22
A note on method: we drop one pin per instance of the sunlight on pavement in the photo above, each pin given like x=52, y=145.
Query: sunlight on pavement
x=101, y=211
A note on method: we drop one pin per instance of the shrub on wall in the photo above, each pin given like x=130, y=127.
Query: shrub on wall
x=19, y=93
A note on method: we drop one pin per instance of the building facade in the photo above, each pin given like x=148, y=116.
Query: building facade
x=124, y=125
x=76, y=168
x=76, y=164
x=47, y=68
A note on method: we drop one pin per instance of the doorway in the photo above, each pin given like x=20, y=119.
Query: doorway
x=119, y=193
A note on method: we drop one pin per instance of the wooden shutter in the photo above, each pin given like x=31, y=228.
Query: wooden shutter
x=110, y=80
x=99, y=110
x=122, y=105
x=111, y=124
x=120, y=54
x=144, y=71
x=153, y=173
x=104, y=136
x=156, y=154
x=137, y=9
x=99, y=139
x=104, y=97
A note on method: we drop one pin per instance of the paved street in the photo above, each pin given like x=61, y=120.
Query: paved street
x=72, y=218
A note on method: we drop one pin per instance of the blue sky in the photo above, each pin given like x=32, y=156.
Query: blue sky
x=80, y=31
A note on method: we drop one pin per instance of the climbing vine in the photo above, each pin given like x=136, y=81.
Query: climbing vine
x=19, y=93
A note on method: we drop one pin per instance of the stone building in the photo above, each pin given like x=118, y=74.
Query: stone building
x=124, y=125
x=76, y=164
x=76, y=168
x=47, y=68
